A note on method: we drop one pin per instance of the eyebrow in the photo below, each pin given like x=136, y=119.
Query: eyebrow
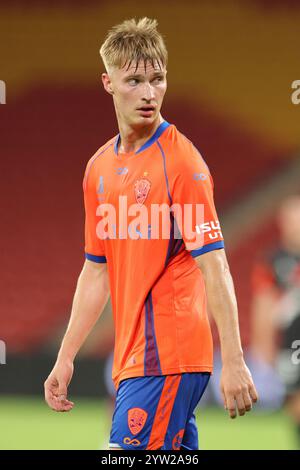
x=133, y=75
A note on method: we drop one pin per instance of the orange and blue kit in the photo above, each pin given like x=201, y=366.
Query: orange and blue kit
x=157, y=290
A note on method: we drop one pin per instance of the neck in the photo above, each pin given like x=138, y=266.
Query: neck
x=131, y=139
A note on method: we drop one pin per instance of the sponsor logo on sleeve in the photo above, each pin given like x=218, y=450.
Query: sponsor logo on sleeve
x=213, y=227
x=199, y=176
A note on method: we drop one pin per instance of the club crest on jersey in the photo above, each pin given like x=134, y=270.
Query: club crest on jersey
x=137, y=418
x=141, y=190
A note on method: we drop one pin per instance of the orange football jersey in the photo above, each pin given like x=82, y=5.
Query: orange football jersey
x=157, y=290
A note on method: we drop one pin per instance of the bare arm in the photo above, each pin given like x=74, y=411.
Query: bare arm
x=236, y=382
x=91, y=296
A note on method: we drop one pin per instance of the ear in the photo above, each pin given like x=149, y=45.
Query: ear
x=107, y=83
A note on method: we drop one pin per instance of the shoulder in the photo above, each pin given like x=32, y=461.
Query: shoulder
x=182, y=156
x=95, y=159
x=101, y=151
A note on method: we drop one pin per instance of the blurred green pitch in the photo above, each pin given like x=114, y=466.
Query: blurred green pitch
x=27, y=423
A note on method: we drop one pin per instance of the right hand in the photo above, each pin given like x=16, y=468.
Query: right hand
x=56, y=386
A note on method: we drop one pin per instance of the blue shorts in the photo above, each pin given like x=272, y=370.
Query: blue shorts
x=157, y=412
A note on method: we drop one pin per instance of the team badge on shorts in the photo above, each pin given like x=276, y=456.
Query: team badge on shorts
x=136, y=420
x=141, y=190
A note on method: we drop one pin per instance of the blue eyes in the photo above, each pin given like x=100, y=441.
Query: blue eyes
x=135, y=81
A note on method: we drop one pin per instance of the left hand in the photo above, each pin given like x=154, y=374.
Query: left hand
x=237, y=387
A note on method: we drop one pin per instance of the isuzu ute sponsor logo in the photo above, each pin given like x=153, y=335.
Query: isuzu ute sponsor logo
x=213, y=227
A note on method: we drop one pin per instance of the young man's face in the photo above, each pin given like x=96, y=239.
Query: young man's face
x=135, y=89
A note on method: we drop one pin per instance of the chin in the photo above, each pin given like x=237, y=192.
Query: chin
x=145, y=120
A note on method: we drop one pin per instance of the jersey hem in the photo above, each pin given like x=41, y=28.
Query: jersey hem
x=169, y=371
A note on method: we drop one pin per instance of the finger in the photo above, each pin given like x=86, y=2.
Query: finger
x=224, y=399
x=62, y=391
x=253, y=393
x=53, y=396
x=64, y=401
x=56, y=403
x=64, y=409
x=247, y=400
x=60, y=406
x=240, y=404
x=50, y=388
x=62, y=394
x=49, y=397
x=231, y=407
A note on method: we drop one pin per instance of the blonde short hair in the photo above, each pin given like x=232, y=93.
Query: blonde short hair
x=134, y=41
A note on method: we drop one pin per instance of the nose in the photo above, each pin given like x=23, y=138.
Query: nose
x=148, y=92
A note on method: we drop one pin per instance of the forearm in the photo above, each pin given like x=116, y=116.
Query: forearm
x=91, y=295
x=223, y=306
x=237, y=387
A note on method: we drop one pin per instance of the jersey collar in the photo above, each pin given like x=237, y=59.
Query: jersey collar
x=149, y=142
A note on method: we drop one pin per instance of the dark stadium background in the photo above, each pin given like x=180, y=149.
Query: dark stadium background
x=231, y=66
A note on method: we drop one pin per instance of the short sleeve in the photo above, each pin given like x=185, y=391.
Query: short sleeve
x=193, y=201
x=94, y=246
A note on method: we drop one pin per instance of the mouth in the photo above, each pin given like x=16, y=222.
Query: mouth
x=146, y=110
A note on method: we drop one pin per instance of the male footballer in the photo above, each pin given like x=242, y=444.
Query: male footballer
x=154, y=243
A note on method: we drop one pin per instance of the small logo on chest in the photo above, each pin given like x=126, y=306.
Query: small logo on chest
x=122, y=171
